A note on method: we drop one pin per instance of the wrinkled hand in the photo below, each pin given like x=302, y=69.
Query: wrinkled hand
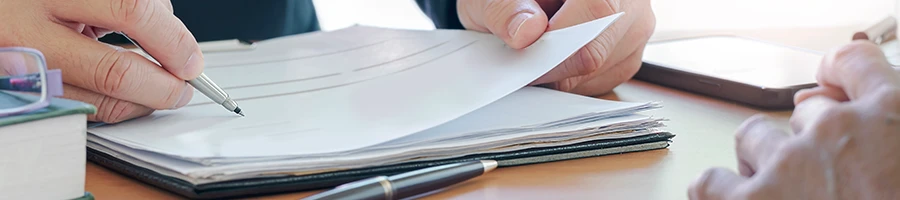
x=122, y=84
x=609, y=60
x=846, y=142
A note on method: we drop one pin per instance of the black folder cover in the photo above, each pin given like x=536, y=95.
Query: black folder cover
x=262, y=186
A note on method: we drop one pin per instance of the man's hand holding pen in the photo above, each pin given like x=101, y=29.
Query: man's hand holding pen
x=122, y=84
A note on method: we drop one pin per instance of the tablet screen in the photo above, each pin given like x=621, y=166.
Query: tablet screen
x=737, y=59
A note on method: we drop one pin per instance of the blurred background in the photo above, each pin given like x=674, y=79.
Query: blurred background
x=671, y=14
x=830, y=22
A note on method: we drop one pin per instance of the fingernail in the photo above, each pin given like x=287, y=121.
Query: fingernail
x=517, y=23
x=186, y=96
x=194, y=66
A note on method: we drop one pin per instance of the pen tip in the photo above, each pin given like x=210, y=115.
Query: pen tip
x=239, y=111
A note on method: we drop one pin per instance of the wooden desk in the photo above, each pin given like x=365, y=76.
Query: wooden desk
x=705, y=138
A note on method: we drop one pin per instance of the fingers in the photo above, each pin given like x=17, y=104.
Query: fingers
x=810, y=110
x=574, y=12
x=756, y=141
x=517, y=22
x=859, y=68
x=601, y=82
x=602, y=49
x=117, y=73
x=716, y=183
x=110, y=110
x=151, y=23
x=825, y=91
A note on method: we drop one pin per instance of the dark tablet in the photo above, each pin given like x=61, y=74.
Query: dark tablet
x=737, y=69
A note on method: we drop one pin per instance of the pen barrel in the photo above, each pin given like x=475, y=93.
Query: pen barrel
x=210, y=89
x=411, y=184
x=367, y=189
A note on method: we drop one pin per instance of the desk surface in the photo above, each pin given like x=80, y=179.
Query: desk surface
x=705, y=138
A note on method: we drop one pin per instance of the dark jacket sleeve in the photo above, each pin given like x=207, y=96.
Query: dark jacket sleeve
x=441, y=12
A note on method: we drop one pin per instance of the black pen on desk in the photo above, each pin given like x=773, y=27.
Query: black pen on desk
x=202, y=83
x=410, y=183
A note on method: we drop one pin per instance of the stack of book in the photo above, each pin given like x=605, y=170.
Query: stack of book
x=43, y=150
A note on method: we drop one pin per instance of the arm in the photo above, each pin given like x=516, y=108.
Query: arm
x=441, y=12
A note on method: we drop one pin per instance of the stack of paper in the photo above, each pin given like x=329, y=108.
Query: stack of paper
x=364, y=97
x=515, y=122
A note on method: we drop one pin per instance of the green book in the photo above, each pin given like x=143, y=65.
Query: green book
x=57, y=107
x=87, y=196
x=46, y=147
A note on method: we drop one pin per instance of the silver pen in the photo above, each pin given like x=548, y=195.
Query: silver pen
x=202, y=84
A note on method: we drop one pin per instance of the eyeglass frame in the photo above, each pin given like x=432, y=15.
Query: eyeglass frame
x=51, y=82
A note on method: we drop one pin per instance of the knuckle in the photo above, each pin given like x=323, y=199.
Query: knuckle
x=600, y=9
x=180, y=40
x=494, y=5
x=114, y=110
x=704, y=188
x=496, y=13
x=568, y=84
x=851, y=50
x=833, y=116
x=175, y=93
x=786, y=153
x=698, y=187
x=832, y=123
x=111, y=72
x=848, y=55
x=590, y=58
x=743, y=131
x=130, y=12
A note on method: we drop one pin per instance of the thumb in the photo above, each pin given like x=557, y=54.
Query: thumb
x=517, y=22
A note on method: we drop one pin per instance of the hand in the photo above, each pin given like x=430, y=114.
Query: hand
x=606, y=62
x=122, y=84
x=846, y=140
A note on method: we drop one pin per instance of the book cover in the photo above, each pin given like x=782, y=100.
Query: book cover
x=58, y=107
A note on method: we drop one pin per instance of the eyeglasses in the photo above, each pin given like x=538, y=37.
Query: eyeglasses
x=26, y=85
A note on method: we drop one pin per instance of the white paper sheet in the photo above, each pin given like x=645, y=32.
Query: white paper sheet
x=547, y=105
x=316, y=99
